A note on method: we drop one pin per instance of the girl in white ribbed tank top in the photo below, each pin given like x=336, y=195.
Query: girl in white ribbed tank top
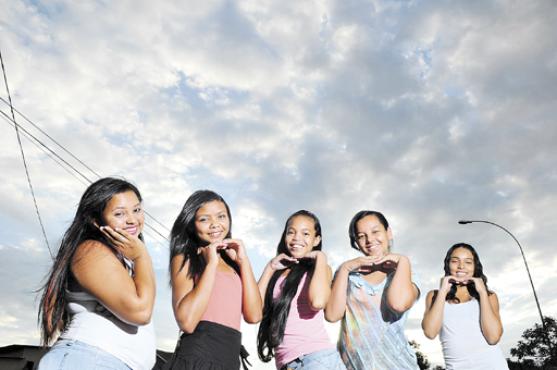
x=98, y=299
x=465, y=314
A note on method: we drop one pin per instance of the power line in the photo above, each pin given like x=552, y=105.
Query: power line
x=59, y=159
x=40, y=145
x=23, y=157
x=69, y=153
x=52, y=139
x=46, y=147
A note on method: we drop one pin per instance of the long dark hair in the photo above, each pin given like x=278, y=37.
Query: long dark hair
x=478, y=272
x=275, y=313
x=353, y=232
x=53, y=315
x=183, y=236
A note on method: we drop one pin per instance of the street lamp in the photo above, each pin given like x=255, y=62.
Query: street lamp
x=463, y=222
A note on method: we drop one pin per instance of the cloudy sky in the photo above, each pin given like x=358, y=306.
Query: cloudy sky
x=429, y=111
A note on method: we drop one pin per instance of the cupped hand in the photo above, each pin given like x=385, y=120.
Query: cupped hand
x=209, y=252
x=446, y=283
x=369, y=264
x=449, y=280
x=315, y=254
x=392, y=257
x=129, y=245
x=479, y=284
x=359, y=264
x=282, y=261
x=235, y=249
x=387, y=263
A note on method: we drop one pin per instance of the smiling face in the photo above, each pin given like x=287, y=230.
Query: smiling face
x=212, y=222
x=300, y=237
x=124, y=211
x=461, y=263
x=372, y=237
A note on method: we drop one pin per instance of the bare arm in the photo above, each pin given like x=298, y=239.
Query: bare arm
x=402, y=293
x=252, y=306
x=490, y=321
x=190, y=300
x=320, y=284
x=277, y=263
x=336, y=306
x=433, y=314
x=264, y=279
x=99, y=272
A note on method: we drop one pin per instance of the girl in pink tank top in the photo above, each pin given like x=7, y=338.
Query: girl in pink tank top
x=296, y=285
x=212, y=285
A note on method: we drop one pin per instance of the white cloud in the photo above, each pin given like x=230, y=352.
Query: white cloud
x=429, y=112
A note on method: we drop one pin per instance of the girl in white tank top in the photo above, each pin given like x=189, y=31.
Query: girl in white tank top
x=465, y=314
x=98, y=299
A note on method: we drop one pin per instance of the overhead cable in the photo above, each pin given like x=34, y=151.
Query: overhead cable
x=59, y=160
x=23, y=157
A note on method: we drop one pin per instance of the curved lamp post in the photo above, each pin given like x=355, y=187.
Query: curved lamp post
x=463, y=222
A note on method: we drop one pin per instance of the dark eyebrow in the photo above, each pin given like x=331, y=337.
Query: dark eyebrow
x=465, y=258
x=124, y=207
x=294, y=229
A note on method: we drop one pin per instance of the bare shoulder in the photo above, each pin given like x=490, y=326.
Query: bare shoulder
x=94, y=264
x=493, y=299
x=429, y=297
x=91, y=252
x=404, y=257
x=179, y=270
x=182, y=284
x=177, y=264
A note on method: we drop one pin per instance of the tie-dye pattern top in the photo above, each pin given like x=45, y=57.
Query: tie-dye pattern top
x=372, y=335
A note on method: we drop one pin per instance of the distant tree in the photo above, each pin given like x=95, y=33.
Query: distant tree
x=536, y=350
x=524, y=365
x=423, y=362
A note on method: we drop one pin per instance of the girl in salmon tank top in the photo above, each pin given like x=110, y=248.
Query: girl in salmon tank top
x=213, y=286
x=296, y=285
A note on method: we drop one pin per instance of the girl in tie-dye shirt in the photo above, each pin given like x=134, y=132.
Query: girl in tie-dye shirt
x=372, y=295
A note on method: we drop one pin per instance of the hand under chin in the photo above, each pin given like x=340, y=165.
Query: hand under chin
x=461, y=282
x=385, y=266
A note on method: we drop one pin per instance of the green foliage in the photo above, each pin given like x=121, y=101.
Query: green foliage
x=537, y=349
x=423, y=362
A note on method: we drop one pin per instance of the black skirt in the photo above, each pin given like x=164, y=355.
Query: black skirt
x=211, y=346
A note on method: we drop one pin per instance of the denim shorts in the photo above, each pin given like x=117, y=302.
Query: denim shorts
x=69, y=354
x=327, y=359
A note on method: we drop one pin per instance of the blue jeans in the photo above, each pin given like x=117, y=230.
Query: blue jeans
x=327, y=359
x=73, y=354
